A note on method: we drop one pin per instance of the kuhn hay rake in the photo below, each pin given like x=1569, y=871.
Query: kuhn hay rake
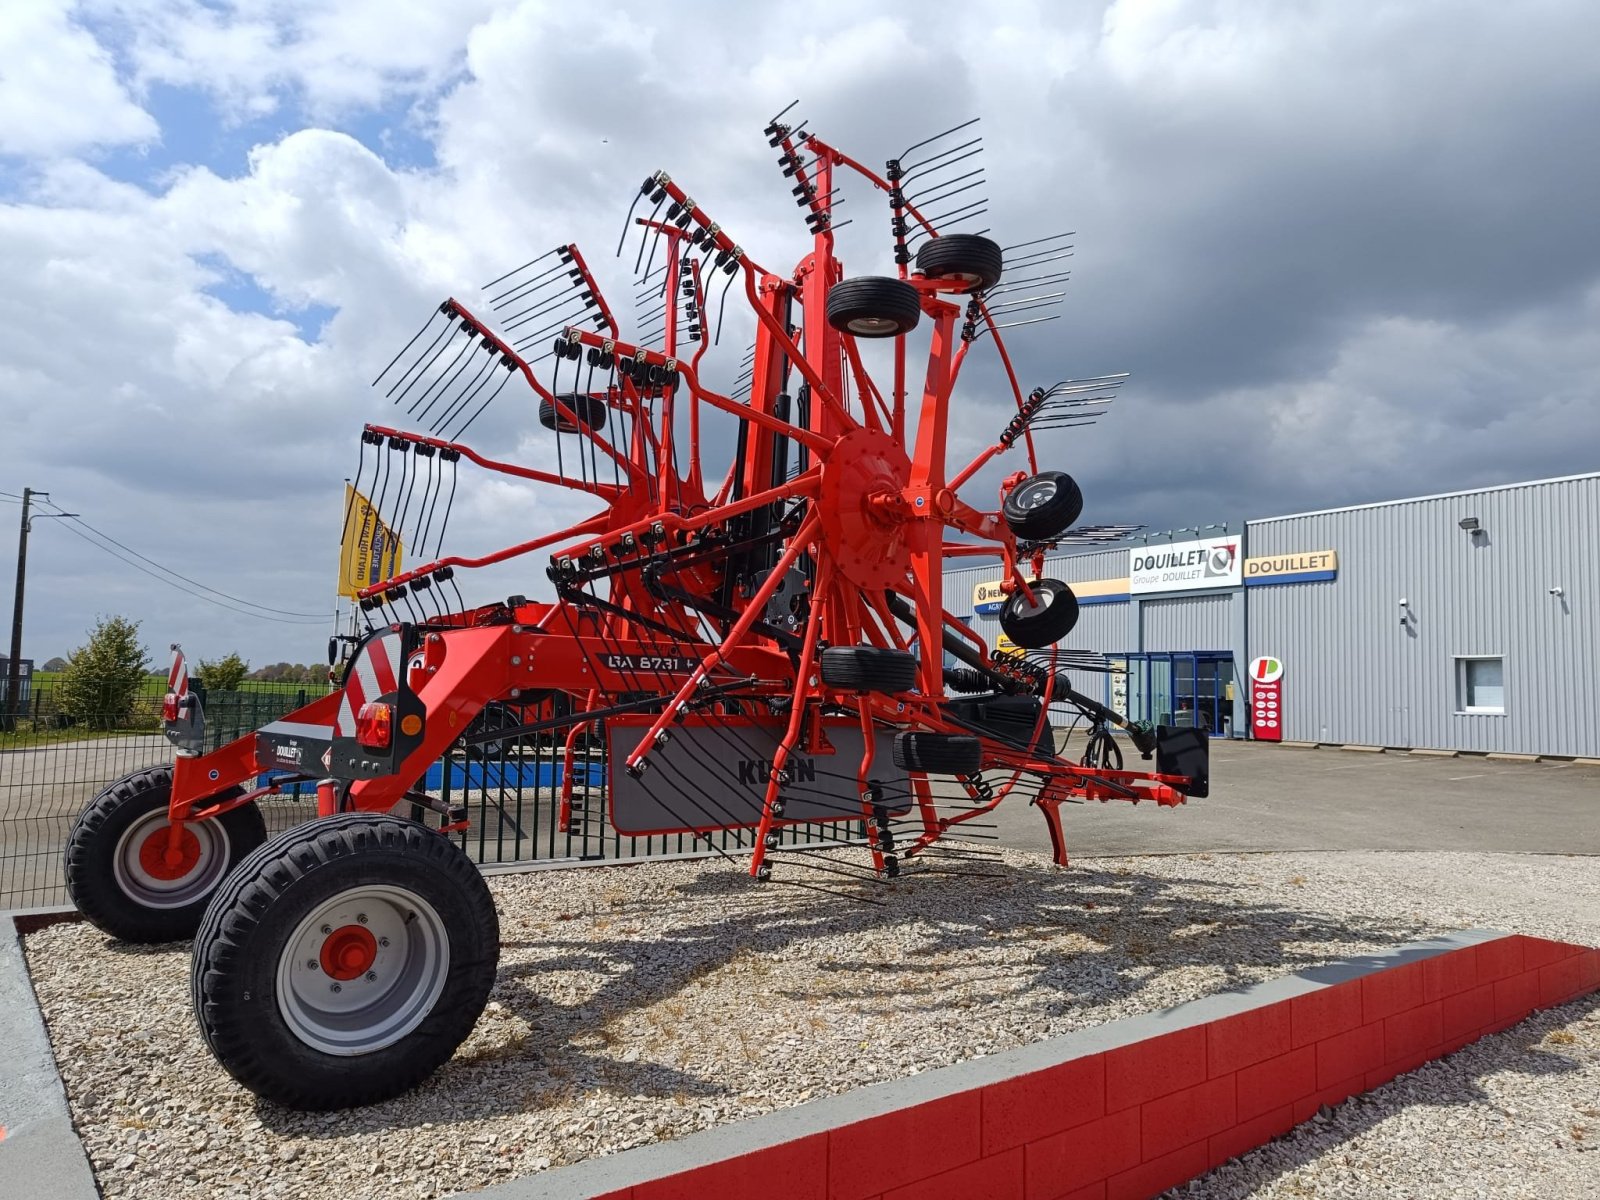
x=739, y=653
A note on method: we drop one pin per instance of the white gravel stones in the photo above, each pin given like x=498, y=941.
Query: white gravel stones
x=643, y=1003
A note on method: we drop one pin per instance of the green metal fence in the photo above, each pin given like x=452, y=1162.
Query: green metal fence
x=55, y=760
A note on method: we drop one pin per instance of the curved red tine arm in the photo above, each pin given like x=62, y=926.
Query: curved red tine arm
x=609, y=491
x=544, y=393
x=594, y=523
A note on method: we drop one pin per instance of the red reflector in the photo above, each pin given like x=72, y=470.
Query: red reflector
x=169, y=707
x=374, y=725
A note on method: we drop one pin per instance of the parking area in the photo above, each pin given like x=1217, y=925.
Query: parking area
x=1267, y=797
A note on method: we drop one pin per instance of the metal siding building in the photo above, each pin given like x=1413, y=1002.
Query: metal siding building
x=1360, y=668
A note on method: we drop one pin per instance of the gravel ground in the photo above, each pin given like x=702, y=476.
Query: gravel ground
x=644, y=1003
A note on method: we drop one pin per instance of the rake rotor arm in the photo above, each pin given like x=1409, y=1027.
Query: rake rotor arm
x=560, y=406
x=607, y=491
x=597, y=522
x=842, y=159
x=593, y=289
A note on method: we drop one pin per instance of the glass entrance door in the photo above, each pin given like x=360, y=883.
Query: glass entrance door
x=1192, y=689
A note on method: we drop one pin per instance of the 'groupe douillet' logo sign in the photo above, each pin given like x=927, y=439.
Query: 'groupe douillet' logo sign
x=1184, y=565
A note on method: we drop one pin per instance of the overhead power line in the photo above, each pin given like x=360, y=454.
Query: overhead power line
x=266, y=608
x=307, y=619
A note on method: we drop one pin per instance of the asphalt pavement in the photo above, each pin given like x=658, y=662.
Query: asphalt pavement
x=1267, y=797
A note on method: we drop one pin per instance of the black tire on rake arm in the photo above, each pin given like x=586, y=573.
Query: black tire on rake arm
x=252, y=940
x=1034, y=627
x=868, y=669
x=966, y=256
x=111, y=895
x=873, y=306
x=589, y=410
x=1043, y=506
x=937, y=753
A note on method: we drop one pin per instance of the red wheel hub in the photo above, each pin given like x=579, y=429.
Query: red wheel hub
x=348, y=952
x=159, y=861
x=861, y=508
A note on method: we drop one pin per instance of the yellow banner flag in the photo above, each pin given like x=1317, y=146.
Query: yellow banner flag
x=369, y=551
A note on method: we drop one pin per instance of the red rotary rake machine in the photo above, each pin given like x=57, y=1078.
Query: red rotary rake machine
x=739, y=653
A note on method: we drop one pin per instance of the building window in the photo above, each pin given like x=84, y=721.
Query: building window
x=1480, y=685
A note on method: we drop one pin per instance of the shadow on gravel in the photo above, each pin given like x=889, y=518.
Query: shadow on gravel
x=1452, y=1082
x=1087, y=939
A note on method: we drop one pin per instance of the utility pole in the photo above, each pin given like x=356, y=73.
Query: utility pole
x=11, y=710
x=14, y=668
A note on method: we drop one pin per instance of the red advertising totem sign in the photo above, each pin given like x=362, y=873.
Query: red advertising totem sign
x=1266, y=699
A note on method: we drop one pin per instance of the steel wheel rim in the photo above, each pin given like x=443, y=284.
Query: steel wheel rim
x=1042, y=599
x=149, y=890
x=387, y=1000
x=1039, y=491
x=873, y=326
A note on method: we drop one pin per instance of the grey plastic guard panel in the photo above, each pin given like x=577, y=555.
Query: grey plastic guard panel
x=713, y=775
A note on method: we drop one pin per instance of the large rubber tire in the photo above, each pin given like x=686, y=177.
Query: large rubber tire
x=431, y=930
x=937, y=753
x=868, y=669
x=1035, y=627
x=873, y=306
x=968, y=257
x=1043, y=506
x=128, y=894
x=590, y=411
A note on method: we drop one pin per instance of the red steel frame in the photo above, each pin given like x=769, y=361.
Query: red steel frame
x=878, y=510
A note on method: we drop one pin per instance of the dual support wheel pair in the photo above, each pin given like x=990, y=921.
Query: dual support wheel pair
x=873, y=306
x=338, y=964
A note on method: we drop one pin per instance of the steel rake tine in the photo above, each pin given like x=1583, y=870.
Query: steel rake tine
x=1054, y=237
x=523, y=267
x=937, y=136
x=422, y=360
x=917, y=168
x=406, y=347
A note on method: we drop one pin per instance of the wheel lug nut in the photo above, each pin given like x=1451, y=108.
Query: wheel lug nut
x=361, y=918
x=311, y=964
x=327, y=929
x=337, y=988
x=372, y=977
x=383, y=941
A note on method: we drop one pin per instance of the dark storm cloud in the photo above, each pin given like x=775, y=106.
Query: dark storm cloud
x=1346, y=251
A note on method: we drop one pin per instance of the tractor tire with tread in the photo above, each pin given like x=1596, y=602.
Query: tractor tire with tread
x=262, y=1016
x=1043, y=506
x=874, y=306
x=969, y=257
x=868, y=669
x=114, y=872
x=591, y=413
x=1034, y=628
x=937, y=753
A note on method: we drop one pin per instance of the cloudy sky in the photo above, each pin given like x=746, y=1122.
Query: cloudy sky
x=1347, y=251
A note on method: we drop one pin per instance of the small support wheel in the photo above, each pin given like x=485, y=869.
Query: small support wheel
x=589, y=411
x=868, y=669
x=344, y=962
x=873, y=306
x=1043, y=506
x=937, y=753
x=126, y=875
x=967, y=258
x=1044, y=623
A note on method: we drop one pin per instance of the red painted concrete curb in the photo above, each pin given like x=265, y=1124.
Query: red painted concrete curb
x=1130, y=1122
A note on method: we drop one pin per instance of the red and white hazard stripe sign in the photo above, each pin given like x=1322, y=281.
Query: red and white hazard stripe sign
x=178, y=677
x=374, y=674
